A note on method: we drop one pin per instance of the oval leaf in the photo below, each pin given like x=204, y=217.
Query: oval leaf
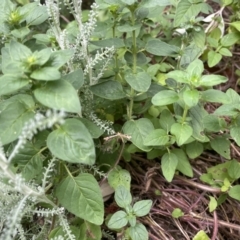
x=142, y=208
x=164, y=97
x=182, y=132
x=46, y=74
x=118, y=220
x=169, y=165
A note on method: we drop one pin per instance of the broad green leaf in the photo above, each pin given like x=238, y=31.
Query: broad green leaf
x=41, y=57
x=165, y=97
x=236, y=25
x=128, y=28
x=234, y=192
x=231, y=110
x=157, y=137
x=169, y=164
x=166, y=120
x=179, y=76
x=11, y=83
x=46, y=74
x=182, y=132
x=222, y=146
x=58, y=231
x=154, y=3
x=195, y=68
x=138, y=130
x=60, y=57
x=233, y=96
x=185, y=11
x=234, y=169
x=111, y=90
x=59, y=95
x=76, y=78
x=177, y=213
x=115, y=42
x=141, y=59
x=183, y=165
x=82, y=197
x=201, y=235
x=230, y=39
x=194, y=149
x=213, y=58
x=140, y=81
x=190, y=53
x=214, y=123
x=14, y=114
x=142, y=208
x=160, y=48
x=212, y=205
x=235, y=134
x=191, y=97
x=72, y=142
x=213, y=95
x=138, y=232
x=212, y=80
x=225, y=52
x=118, y=220
x=122, y=196
x=128, y=2
x=199, y=38
x=21, y=32
x=18, y=51
x=89, y=231
x=118, y=177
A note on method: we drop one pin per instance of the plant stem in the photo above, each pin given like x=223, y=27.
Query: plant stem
x=185, y=113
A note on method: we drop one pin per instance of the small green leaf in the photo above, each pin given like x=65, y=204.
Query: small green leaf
x=234, y=192
x=122, y=196
x=195, y=68
x=76, y=78
x=213, y=123
x=119, y=176
x=111, y=90
x=37, y=15
x=234, y=169
x=165, y=97
x=157, y=137
x=212, y=80
x=115, y=42
x=177, y=213
x=169, y=165
x=179, y=76
x=222, y=146
x=128, y=2
x=89, y=231
x=21, y=32
x=194, y=149
x=82, y=197
x=59, y=95
x=72, y=142
x=201, y=235
x=60, y=57
x=140, y=81
x=182, y=132
x=46, y=74
x=236, y=25
x=191, y=97
x=166, y=120
x=160, y=48
x=18, y=51
x=213, y=58
x=235, y=134
x=142, y=208
x=118, y=220
x=225, y=52
x=138, y=130
x=213, y=95
x=230, y=39
x=138, y=232
x=212, y=205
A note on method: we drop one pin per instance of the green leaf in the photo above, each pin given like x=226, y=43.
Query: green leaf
x=118, y=177
x=183, y=165
x=222, y=146
x=138, y=232
x=122, y=196
x=11, y=83
x=191, y=97
x=157, y=137
x=225, y=52
x=60, y=57
x=234, y=192
x=177, y=213
x=169, y=164
x=58, y=231
x=128, y=28
x=37, y=15
x=21, y=32
x=72, y=142
x=233, y=96
x=59, y=95
x=195, y=68
x=115, y=42
x=82, y=197
x=111, y=90
x=212, y=205
x=18, y=51
x=179, y=76
x=231, y=110
x=201, y=235
x=213, y=95
x=15, y=112
x=118, y=220
x=182, y=132
x=41, y=57
x=76, y=78
x=235, y=134
x=166, y=120
x=142, y=208
x=46, y=74
x=213, y=123
x=236, y=25
x=190, y=53
x=213, y=58
x=89, y=231
x=185, y=11
x=154, y=3
x=128, y=2
x=165, y=97
x=138, y=130
x=140, y=81
x=230, y=39
x=160, y=48
x=194, y=149
x=212, y=80
x=234, y=169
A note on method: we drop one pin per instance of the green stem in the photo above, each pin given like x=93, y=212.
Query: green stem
x=185, y=114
